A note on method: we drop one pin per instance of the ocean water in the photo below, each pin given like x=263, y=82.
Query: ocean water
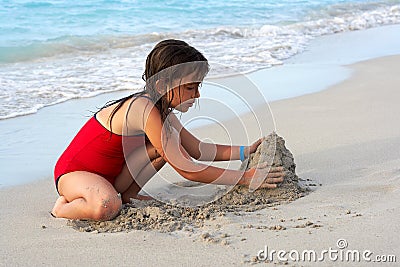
x=53, y=51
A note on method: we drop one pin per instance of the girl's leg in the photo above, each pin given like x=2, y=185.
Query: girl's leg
x=85, y=195
x=146, y=173
x=143, y=163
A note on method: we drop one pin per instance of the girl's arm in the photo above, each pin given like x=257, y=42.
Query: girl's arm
x=169, y=147
x=180, y=160
x=209, y=152
x=175, y=154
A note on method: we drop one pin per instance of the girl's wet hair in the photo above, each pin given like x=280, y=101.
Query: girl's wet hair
x=160, y=64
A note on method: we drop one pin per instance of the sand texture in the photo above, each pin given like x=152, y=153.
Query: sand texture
x=345, y=140
x=156, y=215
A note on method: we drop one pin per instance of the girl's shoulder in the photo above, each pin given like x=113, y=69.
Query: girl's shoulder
x=140, y=103
x=133, y=105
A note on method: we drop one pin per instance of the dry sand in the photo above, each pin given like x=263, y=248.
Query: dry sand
x=345, y=138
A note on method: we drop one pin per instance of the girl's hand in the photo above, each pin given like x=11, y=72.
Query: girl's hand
x=251, y=149
x=270, y=179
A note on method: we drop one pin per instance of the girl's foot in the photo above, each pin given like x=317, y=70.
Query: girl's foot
x=59, y=202
x=127, y=199
x=142, y=197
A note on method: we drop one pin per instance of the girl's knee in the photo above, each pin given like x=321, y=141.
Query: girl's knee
x=107, y=208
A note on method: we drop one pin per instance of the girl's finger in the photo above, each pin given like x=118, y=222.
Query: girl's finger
x=276, y=169
x=269, y=186
x=262, y=165
x=274, y=180
x=275, y=174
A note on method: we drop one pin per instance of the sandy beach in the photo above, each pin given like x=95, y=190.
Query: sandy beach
x=345, y=140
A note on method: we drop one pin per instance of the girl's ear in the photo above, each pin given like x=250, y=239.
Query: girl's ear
x=161, y=86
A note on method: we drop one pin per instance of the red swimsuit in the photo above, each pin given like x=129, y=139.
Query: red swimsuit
x=95, y=149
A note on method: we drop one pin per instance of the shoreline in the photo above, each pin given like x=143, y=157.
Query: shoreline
x=344, y=138
x=313, y=53
x=306, y=73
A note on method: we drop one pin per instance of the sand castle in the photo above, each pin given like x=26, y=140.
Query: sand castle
x=156, y=215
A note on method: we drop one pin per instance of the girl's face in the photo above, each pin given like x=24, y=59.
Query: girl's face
x=183, y=96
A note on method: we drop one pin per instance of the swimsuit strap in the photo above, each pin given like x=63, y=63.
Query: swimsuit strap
x=145, y=96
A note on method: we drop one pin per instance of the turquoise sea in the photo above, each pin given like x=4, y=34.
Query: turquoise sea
x=54, y=50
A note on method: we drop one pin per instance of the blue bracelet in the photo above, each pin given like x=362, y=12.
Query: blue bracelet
x=242, y=153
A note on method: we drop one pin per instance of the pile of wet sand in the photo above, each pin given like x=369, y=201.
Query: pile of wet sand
x=159, y=216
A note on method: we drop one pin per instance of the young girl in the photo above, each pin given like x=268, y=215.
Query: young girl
x=128, y=140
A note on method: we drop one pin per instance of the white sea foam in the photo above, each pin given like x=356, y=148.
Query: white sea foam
x=74, y=67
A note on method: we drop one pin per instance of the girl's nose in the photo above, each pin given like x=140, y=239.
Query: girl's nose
x=197, y=93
